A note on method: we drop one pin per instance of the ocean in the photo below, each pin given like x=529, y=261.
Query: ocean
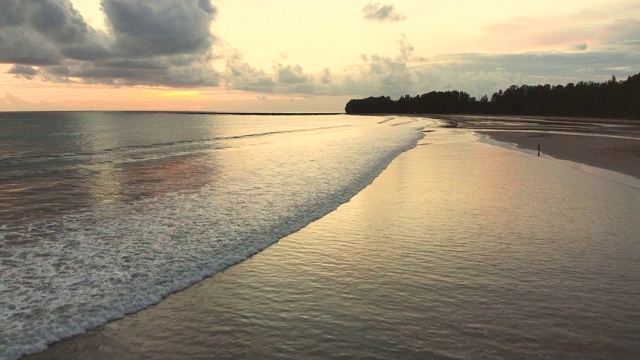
x=104, y=214
x=352, y=237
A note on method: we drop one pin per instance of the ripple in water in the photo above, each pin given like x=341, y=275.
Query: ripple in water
x=129, y=233
x=458, y=249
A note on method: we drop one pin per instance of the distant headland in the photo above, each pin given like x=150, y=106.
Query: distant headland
x=612, y=98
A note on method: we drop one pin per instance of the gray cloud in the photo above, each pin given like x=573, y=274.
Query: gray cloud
x=241, y=76
x=161, y=27
x=325, y=76
x=58, y=21
x=477, y=74
x=624, y=32
x=578, y=47
x=378, y=12
x=167, y=42
x=95, y=49
x=26, y=72
x=22, y=46
x=285, y=79
x=161, y=42
x=290, y=74
x=481, y=74
x=377, y=74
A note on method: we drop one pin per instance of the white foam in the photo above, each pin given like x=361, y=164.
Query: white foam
x=82, y=270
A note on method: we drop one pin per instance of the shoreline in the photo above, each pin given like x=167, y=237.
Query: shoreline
x=401, y=270
x=619, y=155
x=610, y=144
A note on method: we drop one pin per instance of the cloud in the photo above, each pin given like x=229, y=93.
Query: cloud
x=578, y=47
x=606, y=27
x=481, y=74
x=23, y=71
x=374, y=74
x=624, y=32
x=160, y=27
x=290, y=74
x=381, y=13
x=168, y=43
x=10, y=102
x=38, y=32
x=478, y=73
x=160, y=42
x=21, y=46
x=241, y=76
x=283, y=79
x=325, y=76
x=405, y=73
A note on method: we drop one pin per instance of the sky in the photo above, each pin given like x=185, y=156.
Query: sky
x=299, y=56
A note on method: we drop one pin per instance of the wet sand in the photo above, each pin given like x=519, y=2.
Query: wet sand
x=611, y=144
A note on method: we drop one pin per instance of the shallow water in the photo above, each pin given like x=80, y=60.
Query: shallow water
x=459, y=249
x=104, y=214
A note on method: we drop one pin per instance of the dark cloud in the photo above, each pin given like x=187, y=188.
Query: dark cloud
x=86, y=52
x=26, y=72
x=578, y=47
x=58, y=21
x=378, y=12
x=160, y=42
x=13, y=12
x=23, y=46
x=62, y=71
x=41, y=32
x=161, y=27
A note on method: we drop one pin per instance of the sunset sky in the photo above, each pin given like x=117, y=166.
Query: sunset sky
x=285, y=55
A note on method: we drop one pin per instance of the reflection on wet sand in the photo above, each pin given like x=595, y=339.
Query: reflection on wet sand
x=611, y=144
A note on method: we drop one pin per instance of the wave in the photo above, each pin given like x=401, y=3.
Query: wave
x=35, y=158
x=82, y=270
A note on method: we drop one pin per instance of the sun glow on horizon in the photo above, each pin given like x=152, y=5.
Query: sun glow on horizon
x=221, y=55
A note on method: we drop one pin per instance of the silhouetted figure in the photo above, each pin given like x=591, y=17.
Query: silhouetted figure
x=538, y=149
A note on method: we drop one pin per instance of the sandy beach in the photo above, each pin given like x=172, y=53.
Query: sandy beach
x=441, y=257
x=612, y=144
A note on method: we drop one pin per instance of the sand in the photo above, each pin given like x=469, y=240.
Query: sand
x=611, y=144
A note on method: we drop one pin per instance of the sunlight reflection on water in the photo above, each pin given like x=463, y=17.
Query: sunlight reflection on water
x=459, y=249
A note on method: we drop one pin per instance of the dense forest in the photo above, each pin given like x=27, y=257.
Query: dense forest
x=612, y=99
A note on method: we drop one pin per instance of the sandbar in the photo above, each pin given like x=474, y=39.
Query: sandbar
x=611, y=144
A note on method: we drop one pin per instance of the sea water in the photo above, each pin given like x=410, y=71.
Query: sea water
x=459, y=249
x=104, y=214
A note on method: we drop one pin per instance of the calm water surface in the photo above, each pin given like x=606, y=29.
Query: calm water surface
x=458, y=250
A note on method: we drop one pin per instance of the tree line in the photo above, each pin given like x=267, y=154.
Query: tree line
x=612, y=98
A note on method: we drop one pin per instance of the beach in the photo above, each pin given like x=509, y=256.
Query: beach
x=612, y=144
x=459, y=249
